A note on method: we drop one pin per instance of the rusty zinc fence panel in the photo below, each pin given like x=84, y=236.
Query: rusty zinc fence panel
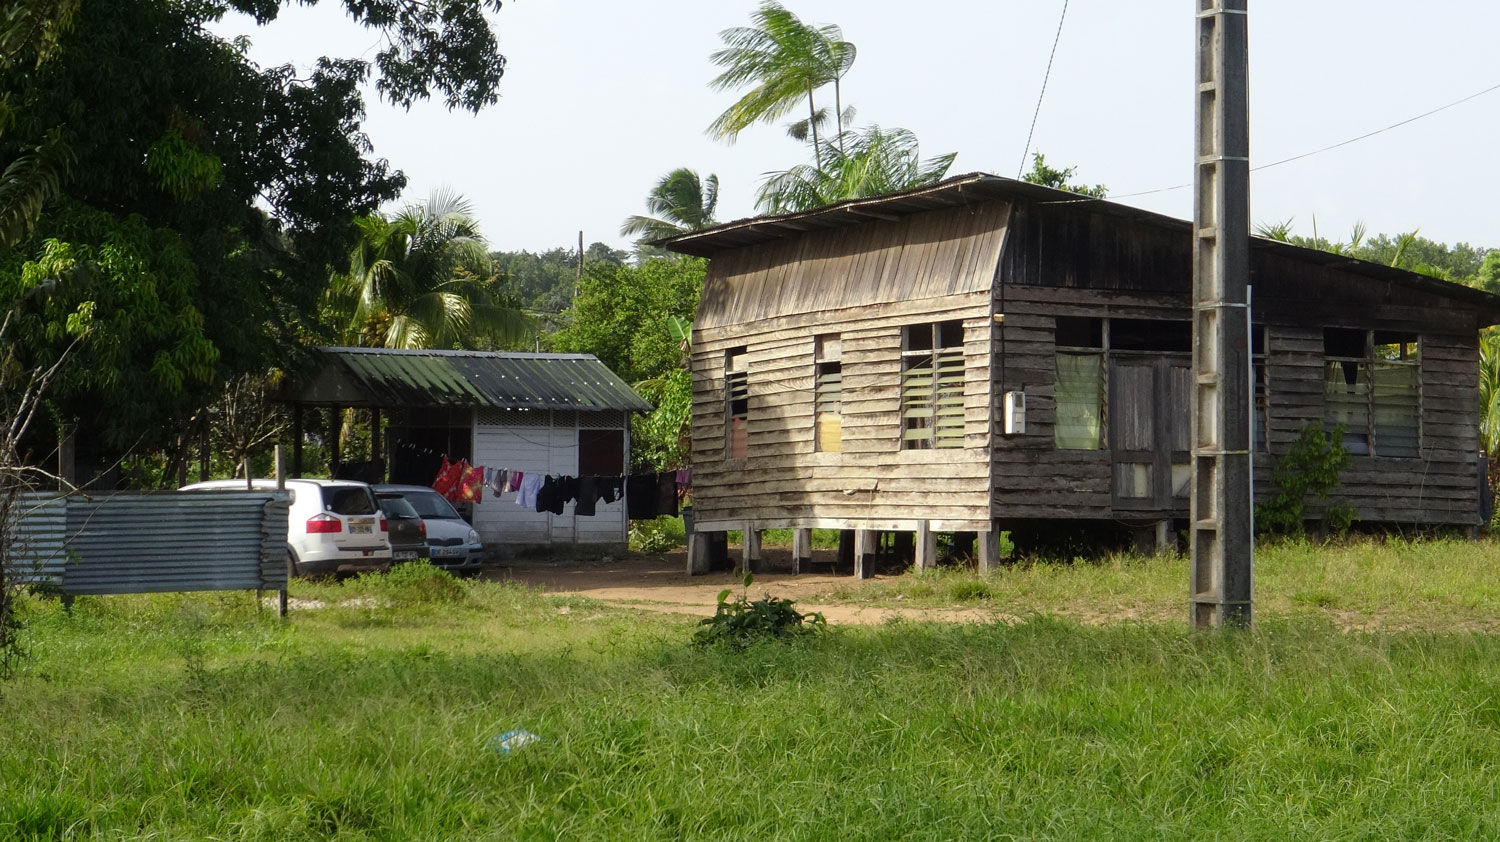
x=166, y=542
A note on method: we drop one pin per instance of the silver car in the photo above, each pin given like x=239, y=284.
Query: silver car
x=452, y=543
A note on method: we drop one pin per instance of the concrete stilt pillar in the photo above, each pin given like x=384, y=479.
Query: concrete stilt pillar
x=988, y=551
x=802, y=551
x=926, y=546
x=865, y=541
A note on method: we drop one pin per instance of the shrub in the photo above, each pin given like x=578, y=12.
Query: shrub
x=740, y=623
x=412, y=583
x=1310, y=468
x=657, y=536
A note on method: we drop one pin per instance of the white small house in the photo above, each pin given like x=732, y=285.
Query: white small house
x=542, y=414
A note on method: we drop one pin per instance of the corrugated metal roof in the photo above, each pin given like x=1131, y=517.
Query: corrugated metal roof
x=391, y=378
x=978, y=187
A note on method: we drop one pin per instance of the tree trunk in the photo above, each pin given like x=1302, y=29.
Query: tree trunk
x=838, y=115
x=812, y=124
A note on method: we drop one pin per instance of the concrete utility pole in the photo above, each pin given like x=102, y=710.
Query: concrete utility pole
x=1222, y=541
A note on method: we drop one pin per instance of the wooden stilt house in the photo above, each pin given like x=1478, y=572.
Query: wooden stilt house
x=986, y=354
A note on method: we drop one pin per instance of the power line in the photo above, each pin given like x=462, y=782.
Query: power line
x=1289, y=160
x=1043, y=92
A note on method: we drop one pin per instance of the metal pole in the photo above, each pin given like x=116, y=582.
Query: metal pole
x=1222, y=543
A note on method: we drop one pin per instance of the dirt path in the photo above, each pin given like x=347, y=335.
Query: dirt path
x=661, y=584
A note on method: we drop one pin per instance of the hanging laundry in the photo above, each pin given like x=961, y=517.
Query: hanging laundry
x=470, y=485
x=684, y=478
x=447, y=475
x=513, y=480
x=526, y=491
x=666, y=493
x=611, y=489
x=641, y=499
x=550, y=497
x=494, y=479
x=588, y=495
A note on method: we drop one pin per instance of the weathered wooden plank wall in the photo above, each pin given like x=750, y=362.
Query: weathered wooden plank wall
x=1055, y=265
x=866, y=284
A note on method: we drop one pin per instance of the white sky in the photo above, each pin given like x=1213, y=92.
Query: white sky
x=600, y=99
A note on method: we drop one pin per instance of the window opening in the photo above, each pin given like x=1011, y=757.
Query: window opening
x=737, y=398
x=828, y=394
x=932, y=386
x=1079, y=392
x=1372, y=386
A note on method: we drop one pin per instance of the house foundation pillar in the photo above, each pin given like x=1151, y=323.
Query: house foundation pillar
x=926, y=546
x=865, y=542
x=802, y=555
x=987, y=550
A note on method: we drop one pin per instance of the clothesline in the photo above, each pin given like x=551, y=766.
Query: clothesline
x=646, y=495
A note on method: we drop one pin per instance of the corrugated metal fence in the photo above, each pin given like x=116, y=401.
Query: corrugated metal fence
x=158, y=542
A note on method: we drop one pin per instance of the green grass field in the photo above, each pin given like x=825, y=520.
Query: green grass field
x=198, y=717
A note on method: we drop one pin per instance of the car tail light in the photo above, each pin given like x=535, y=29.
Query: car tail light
x=324, y=523
x=385, y=525
x=422, y=528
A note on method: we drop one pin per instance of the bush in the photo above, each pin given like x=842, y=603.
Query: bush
x=412, y=583
x=741, y=623
x=1310, y=468
x=657, y=536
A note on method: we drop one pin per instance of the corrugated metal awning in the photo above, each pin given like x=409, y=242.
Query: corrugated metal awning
x=385, y=378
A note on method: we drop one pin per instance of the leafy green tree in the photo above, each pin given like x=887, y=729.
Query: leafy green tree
x=868, y=162
x=1461, y=262
x=1047, y=176
x=622, y=315
x=784, y=60
x=423, y=279
x=201, y=200
x=680, y=202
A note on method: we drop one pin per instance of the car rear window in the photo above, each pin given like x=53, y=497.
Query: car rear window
x=430, y=504
x=348, y=500
x=394, y=505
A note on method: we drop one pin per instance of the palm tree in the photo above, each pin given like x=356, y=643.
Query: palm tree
x=679, y=203
x=867, y=162
x=785, y=60
x=422, y=279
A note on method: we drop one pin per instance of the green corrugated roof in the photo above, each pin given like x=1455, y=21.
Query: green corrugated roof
x=389, y=379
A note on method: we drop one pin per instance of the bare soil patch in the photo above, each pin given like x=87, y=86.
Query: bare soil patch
x=661, y=583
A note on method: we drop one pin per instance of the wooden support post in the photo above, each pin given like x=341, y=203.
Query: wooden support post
x=749, y=549
x=203, y=449
x=802, y=551
x=334, y=433
x=926, y=546
x=67, y=457
x=280, y=458
x=988, y=551
x=1166, y=541
x=377, y=457
x=245, y=466
x=864, y=552
x=698, y=553
x=297, y=431
x=845, y=563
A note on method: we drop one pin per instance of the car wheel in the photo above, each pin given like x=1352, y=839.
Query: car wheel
x=293, y=564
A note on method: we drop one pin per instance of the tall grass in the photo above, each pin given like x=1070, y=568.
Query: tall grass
x=198, y=717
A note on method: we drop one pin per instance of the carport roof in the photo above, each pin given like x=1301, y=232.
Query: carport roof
x=380, y=377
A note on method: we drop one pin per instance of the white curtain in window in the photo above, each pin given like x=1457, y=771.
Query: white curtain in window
x=1080, y=398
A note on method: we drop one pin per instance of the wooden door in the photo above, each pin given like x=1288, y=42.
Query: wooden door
x=1149, y=435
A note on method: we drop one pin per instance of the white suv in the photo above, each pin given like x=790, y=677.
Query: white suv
x=334, y=526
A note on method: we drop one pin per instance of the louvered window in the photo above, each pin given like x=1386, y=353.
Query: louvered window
x=932, y=386
x=737, y=403
x=828, y=396
x=1372, y=387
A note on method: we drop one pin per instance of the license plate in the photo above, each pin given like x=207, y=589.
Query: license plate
x=447, y=552
x=360, y=528
x=404, y=554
